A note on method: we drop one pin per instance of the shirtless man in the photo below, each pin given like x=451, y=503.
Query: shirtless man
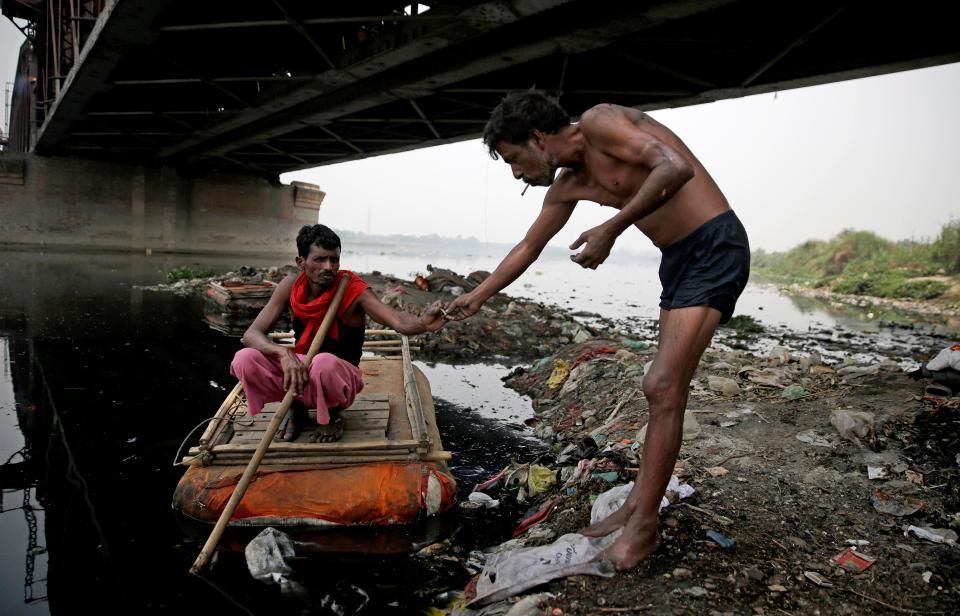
x=622, y=158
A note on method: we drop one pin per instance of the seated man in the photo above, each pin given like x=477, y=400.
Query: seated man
x=333, y=380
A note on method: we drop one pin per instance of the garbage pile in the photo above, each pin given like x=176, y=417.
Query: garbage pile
x=505, y=328
x=800, y=486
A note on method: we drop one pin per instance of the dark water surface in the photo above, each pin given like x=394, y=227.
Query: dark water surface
x=99, y=383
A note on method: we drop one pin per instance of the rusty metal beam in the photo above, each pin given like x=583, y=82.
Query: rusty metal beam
x=345, y=142
x=311, y=21
x=665, y=70
x=302, y=31
x=794, y=44
x=121, y=25
x=464, y=25
x=424, y=117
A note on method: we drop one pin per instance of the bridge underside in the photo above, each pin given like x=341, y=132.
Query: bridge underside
x=265, y=87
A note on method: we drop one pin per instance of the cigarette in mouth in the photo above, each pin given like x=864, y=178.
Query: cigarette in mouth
x=524, y=190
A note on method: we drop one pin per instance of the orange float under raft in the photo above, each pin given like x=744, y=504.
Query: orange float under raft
x=389, y=467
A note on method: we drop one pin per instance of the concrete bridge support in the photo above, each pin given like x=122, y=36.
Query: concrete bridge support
x=71, y=203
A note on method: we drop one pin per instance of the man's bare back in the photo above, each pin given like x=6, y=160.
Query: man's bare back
x=606, y=178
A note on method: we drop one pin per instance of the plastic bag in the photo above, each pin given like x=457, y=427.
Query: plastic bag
x=267, y=559
x=853, y=425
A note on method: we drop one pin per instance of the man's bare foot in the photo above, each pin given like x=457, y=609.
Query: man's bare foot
x=629, y=549
x=608, y=524
x=293, y=423
x=329, y=432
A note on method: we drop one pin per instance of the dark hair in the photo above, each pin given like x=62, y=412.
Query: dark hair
x=316, y=235
x=521, y=113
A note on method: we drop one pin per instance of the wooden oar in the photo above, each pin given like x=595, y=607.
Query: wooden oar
x=247, y=477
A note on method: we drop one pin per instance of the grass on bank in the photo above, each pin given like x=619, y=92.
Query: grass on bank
x=186, y=272
x=862, y=263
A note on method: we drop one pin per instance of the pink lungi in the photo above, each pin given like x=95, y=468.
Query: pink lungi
x=333, y=382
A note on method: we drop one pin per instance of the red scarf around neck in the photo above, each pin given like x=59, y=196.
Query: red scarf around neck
x=311, y=313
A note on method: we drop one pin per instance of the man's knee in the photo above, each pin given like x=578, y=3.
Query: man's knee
x=323, y=362
x=660, y=387
x=244, y=360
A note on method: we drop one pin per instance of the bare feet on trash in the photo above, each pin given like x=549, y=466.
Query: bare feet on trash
x=631, y=547
x=608, y=524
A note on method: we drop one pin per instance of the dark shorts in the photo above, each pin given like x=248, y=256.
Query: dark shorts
x=709, y=267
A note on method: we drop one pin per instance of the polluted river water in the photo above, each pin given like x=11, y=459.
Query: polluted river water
x=102, y=379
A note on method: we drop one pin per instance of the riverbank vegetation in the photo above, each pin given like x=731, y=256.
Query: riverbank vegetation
x=862, y=263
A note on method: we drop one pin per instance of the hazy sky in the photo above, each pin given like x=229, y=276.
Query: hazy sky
x=877, y=154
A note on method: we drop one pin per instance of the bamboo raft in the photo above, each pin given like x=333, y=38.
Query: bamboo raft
x=389, y=466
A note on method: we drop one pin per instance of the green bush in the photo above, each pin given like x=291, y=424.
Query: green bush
x=862, y=263
x=946, y=248
x=186, y=272
x=891, y=284
x=922, y=289
x=744, y=325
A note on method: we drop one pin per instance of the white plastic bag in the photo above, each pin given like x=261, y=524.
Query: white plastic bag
x=508, y=573
x=853, y=425
x=267, y=559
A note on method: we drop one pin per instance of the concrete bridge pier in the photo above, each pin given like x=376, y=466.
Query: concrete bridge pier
x=72, y=203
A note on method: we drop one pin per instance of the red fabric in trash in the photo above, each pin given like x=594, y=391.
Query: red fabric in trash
x=536, y=518
x=311, y=313
x=591, y=353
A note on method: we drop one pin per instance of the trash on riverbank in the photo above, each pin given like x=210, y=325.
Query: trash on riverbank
x=936, y=535
x=852, y=560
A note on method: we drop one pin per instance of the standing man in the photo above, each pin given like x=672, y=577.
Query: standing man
x=622, y=158
x=333, y=379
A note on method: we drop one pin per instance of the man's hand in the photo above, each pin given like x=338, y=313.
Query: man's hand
x=599, y=241
x=463, y=307
x=432, y=318
x=295, y=374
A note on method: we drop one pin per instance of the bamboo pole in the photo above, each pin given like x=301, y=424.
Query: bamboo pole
x=248, y=473
x=413, y=402
x=219, y=415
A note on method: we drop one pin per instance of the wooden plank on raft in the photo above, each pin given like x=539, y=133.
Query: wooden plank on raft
x=217, y=423
x=374, y=414
x=368, y=405
x=279, y=459
x=313, y=460
x=412, y=394
x=297, y=448
x=383, y=452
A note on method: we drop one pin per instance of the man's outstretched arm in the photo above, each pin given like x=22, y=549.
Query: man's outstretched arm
x=430, y=320
x=551, y=219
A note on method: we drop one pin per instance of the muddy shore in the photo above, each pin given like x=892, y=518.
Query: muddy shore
x=781, y=441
